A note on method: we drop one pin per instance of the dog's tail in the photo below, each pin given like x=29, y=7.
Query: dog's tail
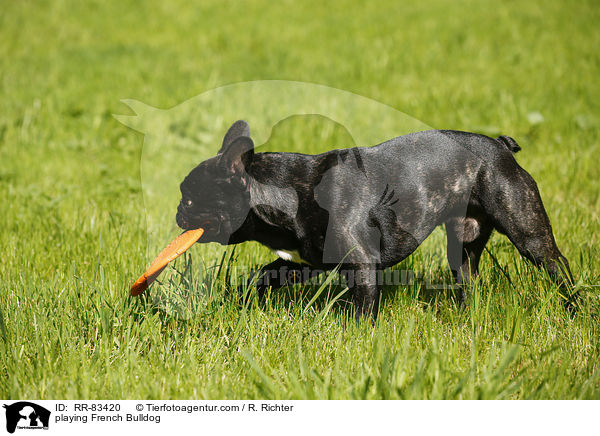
x=509, y=142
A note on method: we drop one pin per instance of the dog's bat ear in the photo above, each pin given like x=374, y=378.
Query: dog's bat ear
x=238, y=156
x=237, y=129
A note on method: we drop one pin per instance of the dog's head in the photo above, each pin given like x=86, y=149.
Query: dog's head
x=215, y=194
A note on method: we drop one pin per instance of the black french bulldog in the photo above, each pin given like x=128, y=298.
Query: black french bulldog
x=368, y=208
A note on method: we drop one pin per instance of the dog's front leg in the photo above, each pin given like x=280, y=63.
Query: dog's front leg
x=362, y=282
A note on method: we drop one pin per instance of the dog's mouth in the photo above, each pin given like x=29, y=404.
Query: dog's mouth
x=210, y=224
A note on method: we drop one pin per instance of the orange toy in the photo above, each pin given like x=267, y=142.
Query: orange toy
x=171, y=252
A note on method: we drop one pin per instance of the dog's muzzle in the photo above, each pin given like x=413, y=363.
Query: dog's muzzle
x=188, y=222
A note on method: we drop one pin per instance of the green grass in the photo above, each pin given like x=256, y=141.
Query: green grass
x=74, y=226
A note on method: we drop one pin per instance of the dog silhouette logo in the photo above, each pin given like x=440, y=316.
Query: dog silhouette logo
x=26, y=415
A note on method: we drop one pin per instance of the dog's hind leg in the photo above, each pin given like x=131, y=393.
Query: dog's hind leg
x=467, y=237
x=517, y=211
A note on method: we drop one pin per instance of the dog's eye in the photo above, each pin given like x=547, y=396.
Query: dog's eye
x=188, y=203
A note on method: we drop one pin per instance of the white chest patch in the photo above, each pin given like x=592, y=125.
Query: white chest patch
x=292, y=256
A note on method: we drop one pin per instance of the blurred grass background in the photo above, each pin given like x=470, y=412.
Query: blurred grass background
x=74, y=235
